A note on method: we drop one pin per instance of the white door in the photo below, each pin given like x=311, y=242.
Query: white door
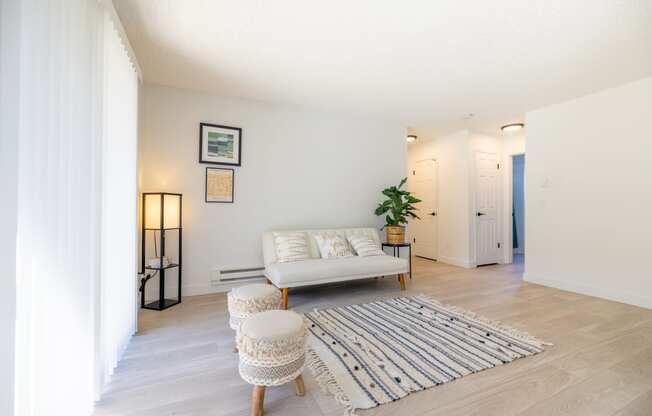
x=423, y=184
x=486, y=215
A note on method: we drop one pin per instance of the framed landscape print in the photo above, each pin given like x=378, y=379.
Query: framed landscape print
x=219, y=185
x=220, y=145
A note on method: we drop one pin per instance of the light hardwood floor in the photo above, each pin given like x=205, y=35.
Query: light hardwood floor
x=181, y=362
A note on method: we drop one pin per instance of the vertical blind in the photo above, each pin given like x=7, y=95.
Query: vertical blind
x=75, y=265
x=119, y=201
x=9, y=76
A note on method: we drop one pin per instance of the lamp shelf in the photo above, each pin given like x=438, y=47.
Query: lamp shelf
x=169, y=266
x=161, y=211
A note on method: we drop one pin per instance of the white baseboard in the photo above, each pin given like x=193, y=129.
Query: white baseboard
x=622, y=296
x=456, y=262
x=194, y=290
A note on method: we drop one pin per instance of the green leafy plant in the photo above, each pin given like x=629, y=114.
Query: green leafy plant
x=398, y=205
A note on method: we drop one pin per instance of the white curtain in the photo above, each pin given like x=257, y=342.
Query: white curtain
x=9, y=77
x=74, y=288
x=119, y=201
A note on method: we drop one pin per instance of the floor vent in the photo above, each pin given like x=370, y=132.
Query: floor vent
x=232, y=275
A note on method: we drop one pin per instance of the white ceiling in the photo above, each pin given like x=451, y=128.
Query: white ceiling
x=426, y=64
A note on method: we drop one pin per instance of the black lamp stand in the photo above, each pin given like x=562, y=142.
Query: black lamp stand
x=149, y=271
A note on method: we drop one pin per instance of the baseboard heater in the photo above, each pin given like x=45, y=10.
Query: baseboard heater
x=232, y=275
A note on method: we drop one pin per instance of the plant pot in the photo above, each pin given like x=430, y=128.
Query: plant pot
x=395, y=234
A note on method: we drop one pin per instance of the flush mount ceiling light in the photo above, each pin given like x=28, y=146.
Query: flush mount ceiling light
x=411, y=137
x=512, y=127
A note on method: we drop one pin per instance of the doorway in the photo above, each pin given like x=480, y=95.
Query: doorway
x=518, y=208
x=423, y=184
x=487, y=246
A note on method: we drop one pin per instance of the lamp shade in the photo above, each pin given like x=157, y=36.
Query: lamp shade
x=171, y=208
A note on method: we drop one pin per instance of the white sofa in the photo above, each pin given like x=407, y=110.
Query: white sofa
x=316, y=270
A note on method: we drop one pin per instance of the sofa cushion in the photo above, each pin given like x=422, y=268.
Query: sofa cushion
x=333, y=245
x=291, y=247
x=365, y=246
x=315, y=271
x=269, y=245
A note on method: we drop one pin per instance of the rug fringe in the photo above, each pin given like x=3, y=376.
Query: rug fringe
x=327, y=381
x=497, y=325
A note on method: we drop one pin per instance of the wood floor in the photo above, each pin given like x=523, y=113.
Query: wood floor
x=181, y=362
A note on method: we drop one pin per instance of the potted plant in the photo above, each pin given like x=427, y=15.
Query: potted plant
x=398, y=207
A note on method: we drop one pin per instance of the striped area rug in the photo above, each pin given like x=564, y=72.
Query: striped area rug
x=375, y=353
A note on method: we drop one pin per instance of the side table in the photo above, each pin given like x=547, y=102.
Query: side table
x=396, y=247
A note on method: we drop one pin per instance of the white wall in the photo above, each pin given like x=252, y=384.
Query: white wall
x=589, y=193
x=299, y=169
x=9, y=76
x=513, y=143
x=452, y=155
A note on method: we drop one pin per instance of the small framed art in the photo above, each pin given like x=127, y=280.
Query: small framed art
x=219, y=185
x=220, y=145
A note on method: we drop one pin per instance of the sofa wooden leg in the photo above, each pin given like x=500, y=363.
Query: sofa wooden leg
x=285, y=298
x=401, y=280
x=257, y=399
x=299, y=387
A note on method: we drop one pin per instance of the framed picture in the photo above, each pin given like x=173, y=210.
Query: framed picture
x=219, y=185
x=220, y=145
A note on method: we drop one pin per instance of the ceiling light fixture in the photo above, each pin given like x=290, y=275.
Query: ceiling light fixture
x=512, y=127
x=411, y=137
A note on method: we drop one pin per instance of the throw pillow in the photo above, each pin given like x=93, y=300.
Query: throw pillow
x=365, y=246
x=291, y=247
x=333, y=245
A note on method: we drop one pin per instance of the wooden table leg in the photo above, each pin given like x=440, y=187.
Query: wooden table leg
x=410, y=259
x=299, y=387
x=257, y=399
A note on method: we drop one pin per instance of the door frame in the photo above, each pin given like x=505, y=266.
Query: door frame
x=473, y=244
x=410, y=175
x=508, y=233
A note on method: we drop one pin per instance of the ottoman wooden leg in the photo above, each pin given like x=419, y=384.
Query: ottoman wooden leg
x=299, y=386
x=285, y=298
x=257, y=399
x=401, y=280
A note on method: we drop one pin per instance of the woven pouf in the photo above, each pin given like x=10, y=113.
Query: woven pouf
x=272, y=352
x=245, y=301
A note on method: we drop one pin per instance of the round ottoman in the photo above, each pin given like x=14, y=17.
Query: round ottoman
x=247, y=300
x=272, y=352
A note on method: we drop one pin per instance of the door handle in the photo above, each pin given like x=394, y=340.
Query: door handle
x=434, y=214
x=479, y=214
